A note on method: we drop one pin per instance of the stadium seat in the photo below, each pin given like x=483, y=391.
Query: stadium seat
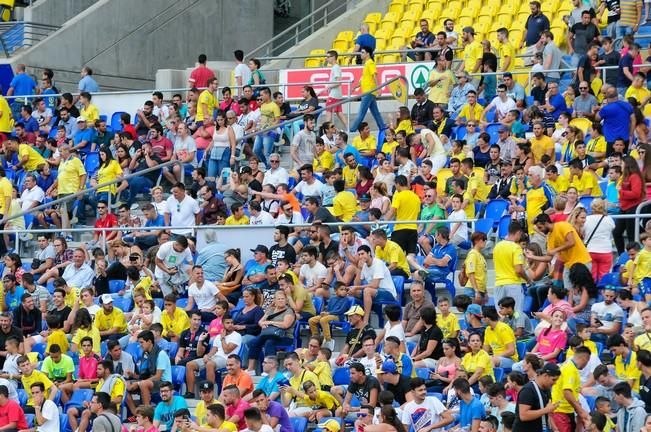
x=178, y=378
x=23, y=397
x=299, y=424
x=91, y=163
x=343, y=41
x=495, y=209
x=373, y=21
x=503, y=228
x=484, y=225
x=125, y=304
x=410, y=19
x=63, y=422
x=134, y=349
x=318, y=306
x=79, y=396
x=499, y=374
x=521, y=347
x=585, y=202
x=422, y=373
x=182, y=303
x=582, y=123
x=40, y=349
x=397, y=7
x=610, y=279
x=115, y=121
x=341, y=376
x=116, y=286
x=314, y=62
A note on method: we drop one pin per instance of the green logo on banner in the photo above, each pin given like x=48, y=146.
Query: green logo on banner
x=419, y=76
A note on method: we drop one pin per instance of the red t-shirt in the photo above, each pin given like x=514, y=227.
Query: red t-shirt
x=12, y=412
x=162, y=147
x=238, y=410
x=132, y=130
x=200, y=76
x=109, y=221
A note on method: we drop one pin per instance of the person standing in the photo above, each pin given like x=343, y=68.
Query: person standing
x=367, y=83
x=565, y=393
x=534, y=404
x=536, y=24
x=201, y=74
x=405, y=207
x=334, y=89
x=509, y=267
x=631, y=194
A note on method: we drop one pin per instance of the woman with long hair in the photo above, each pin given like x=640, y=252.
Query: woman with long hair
x=109, y=170
x=83, y=326
x=365, y=181
x=598, y=238
x=631, y=194
x=123, y=157
x=389, y=421
x=571, y=201
x=583, y=292
x=568, y=151
x=644, y=152
x=14, y=267
x=538, y=272
x=380, y=198
x=477, y=356
x=577, y=220
x=632, y=308
x=221, y=150
x=256, y=76
x=446, y=367
x=385, y=174
x=234, y=273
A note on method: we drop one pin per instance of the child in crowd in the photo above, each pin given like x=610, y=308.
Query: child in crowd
x=334, y=311
x=640, y=268
x=323, y=402
x=390, y=142
x=327, y=191
x=321, y=368
x=216, y=327
x=446, y=320
x=612, y=189
x=10, y=370
x=484, y=383
x=57, y=335
x=602, y=405
x=632, y=249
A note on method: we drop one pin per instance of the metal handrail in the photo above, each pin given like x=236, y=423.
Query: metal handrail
x=175, y=162
x=292, y=33
x=31, y=32
x=638, y=213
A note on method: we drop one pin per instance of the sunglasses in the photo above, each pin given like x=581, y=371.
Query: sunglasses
x=583, y=88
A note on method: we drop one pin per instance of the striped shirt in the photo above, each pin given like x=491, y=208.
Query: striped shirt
x=628, y=12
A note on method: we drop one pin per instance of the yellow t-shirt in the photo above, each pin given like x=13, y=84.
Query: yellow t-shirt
x=244, y=220
x=109, y=173
x=93, y=333
x=144, y=284
x=405, y=125
x=638, y=93
x=367, y=82
x=587, y=181
x=350, y=176
x=499, y=337
x=323, y=400
x=643, y=342
x=570, y=379
x=506, y=255
x=539, y=146
x=34, y=377
x=507, y=50
x=269, y=113
x=440, y=92
x=344, y=205
x=323, y=371
x=208, y=99
x=642, y=266
x=538, y=198
x=560, y=184
x=69, y=175
x=470, y=207
x=34, y=158
x=72, y=297
x=118, y=389
x=407, y=205
x=387, y=147
x=392, y=252
x=597, y=145
x=626, y=369
x=115, y=319
x=472, y=54
x=6, y=121
x=476, y=264
x=449, y=325
x=576, y=254
x=90, y=114
x=57, y=337
x=176, y=323
x=471, y=362
x=368, y=144
x=323, y=162
x=201, y=411
x=6, y=192
x=588, y=344
x=471, y=113
x=296, y=382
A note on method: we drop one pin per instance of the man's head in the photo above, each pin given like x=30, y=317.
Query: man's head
x=146, y=340
x=623, y=393
x=234, y=364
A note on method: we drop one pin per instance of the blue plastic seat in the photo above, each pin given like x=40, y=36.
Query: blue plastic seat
x=585, y=202
x=78, y=398
x=23, y=397
x=115, y=121
x=521, y=347
x=134, y=349
x=499, y=374
x=63, y=422
x=182, y=303
x=610, y=279
x=492, y=130
x=341, y=376
x=40, y=349
x=495, y=209
x=503, y=227
x=423, y=373
x=125, y=304
x=318, y=305
x=299, y=424
x=91, y=163
x=29, y=418
x=178, y=377
x=399, y=283
x=116, y=286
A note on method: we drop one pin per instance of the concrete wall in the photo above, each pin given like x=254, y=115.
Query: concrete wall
x=126, y=44
x=56, y=12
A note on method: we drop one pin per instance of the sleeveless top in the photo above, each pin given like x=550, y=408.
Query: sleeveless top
x=221, y=143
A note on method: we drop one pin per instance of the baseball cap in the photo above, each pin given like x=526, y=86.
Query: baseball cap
x=261, y=248
x=206, y=386
x=507, y=75
x=81, y=119
x=365, y=197
x=469, y=30
x=106, y=299
x=389, y=366
x=331, y=425
x=549, y=369
x=474, y=309
x=355, y=310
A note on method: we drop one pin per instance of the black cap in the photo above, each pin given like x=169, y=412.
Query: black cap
x=261, y=248
x=206, y=386
x=365, y=197
x=550, y=369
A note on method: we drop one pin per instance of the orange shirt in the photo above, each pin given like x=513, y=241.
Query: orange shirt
x=242, y=381
x=291, y=198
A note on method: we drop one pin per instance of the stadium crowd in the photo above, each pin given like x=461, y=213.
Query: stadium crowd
x=126, y=327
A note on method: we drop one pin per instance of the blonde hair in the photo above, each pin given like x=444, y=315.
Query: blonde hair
x=157, y=188
x=575, y=214
x=381, y=188
x=559, y=203
x=598, y=206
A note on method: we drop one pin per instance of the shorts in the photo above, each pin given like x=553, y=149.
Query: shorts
x=337, y=109
x=384, y=296
x=219, y=361
x=407, y=239
x=564, y=422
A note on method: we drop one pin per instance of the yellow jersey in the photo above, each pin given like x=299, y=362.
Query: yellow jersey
x=626, y=369
x=471, y=113
x=201, y=411
x=269, y=113
x=115, y=319
x=449, y=325
x=244, y=220
x=576, y=254
x=471, y=362
x=472, y=54
x=6, y=120
x=506, y=50
x=34, y=377
x=570, y=379
x=210, y=101
x=34, y=159
x=344, y=205
x=176, y=323
x=499, y=337
x=109, y=173
x=323, y=371
x=587, y=182
x=476, y=264
x=350, y=176
x=506, y=255
x=92, y=333
x=407, y=205
x=537, y=199
x=638, y=93
x=642, y=266
x=323, y=162
x=540, y=146
x=559, y=185
x=367, y=82
x=368, y=144
x=69, y=176
x=57, y=337
x=6, y=193
x=393, y=253
x=90, y=113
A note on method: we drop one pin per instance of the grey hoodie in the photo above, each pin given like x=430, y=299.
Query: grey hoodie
x=631, y=419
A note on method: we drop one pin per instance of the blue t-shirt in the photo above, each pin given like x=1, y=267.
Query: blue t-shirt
x=612, y=197
x=13, y=300
x=339, y=156
x=88, y=84
x=338, y=306
x=270, y=386
x=616, y=120
x=87, y=135
x=439, y=252
x=163, y=363
x=366, y=40
x=624, y=62
x=23, y=84
x=164, y=412
x=558, y=102
x=535, y=26
x=256, y=269
x=159, y=221
x=50, y=101
x=31, y=125
x=470, y=411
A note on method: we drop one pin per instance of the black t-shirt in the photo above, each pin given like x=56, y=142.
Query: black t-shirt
x=583, y=35
x=268, y=293
x=645, y=392
x=422, y=114
x=15, y=332
x=62, y=315
x=428, y=334
x=355, y=342
x=539, y=94
x=324, y=250
x=400, y=389
x=282, y=252
x=190, y=341
x=611, y=59
x=141, y=165
x=363, y=391
x=529, y=396
x=28, y=321
x=255, y=185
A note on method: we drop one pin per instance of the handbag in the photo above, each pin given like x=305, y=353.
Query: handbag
x=272, y=330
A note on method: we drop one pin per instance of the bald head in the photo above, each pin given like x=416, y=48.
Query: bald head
x=611, y=93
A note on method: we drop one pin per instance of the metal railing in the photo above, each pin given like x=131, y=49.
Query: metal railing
x=296, y=33
x=19, y=34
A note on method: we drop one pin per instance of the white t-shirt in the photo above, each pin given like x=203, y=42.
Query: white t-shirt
x=46, y=253
x=184, y=146
x=11, y=386
x=171, y=258
x=204, y=298
x=92, y=310
x=370, y=365
x=608, y=314
x=264, y=428
x=335, y=75
x=397, y=331
x=462, y=231
x=51, y=414
x=422, y=415
x=30, y=196
x=263, y=218
x=161, y=207
x=379, y=270
x=602, y=239
x=182, y=213
x=312, y=274
x=276, y=176
x=233, y=338
x=502, y=108
x=282, y=219
x=308, y=190
x=586, y=372
x=243, y=71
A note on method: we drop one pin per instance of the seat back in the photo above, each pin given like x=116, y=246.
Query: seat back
x=496, y=208
x=299, y=424
x=503, y=229
x=341, y=376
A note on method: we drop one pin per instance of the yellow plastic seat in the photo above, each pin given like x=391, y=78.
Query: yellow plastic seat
x=434, y=3
x=397, y=6
x=343, y=41
x=380, y=44
x=441, y=178
x=416, y=4
x=373, y=20
x=431, y=15
x=485, y=20
x=481, y=27
x=559, y=35
x=465, y=21
x=582, y=123
x=469, y=12
x=487, y=11
x=515, y=37
x=382, y=37
x=400, y=37
x=314, y=62
x=410, y=18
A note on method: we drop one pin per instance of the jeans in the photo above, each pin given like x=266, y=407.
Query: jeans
x=623, y=30
x=146, y=242
x=611, y=30
x=368, y=102
x=138, y=185
x=215, y=166
x=266, y=343
x=263, y=146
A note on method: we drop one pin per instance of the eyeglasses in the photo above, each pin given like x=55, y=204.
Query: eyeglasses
x=101, y=207
x=360, y=415
x=583, y=88
x=274, y=161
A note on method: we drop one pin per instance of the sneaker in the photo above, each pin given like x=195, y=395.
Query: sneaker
x=330, y=344
x=134, y=206
x=423, y=274
x=188, y=395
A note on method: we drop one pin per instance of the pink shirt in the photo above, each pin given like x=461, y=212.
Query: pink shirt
x=215, y=327
x=548, y=341
x=238, y=410
x=88, y=367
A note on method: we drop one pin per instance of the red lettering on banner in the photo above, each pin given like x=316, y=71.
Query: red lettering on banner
x=322, y=75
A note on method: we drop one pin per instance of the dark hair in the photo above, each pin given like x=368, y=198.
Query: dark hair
x=623, y=389
x=461, y=385
x=104, y=399
x=428, y=315
x=490, y=313
x=147, y=336
x=252, y=414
